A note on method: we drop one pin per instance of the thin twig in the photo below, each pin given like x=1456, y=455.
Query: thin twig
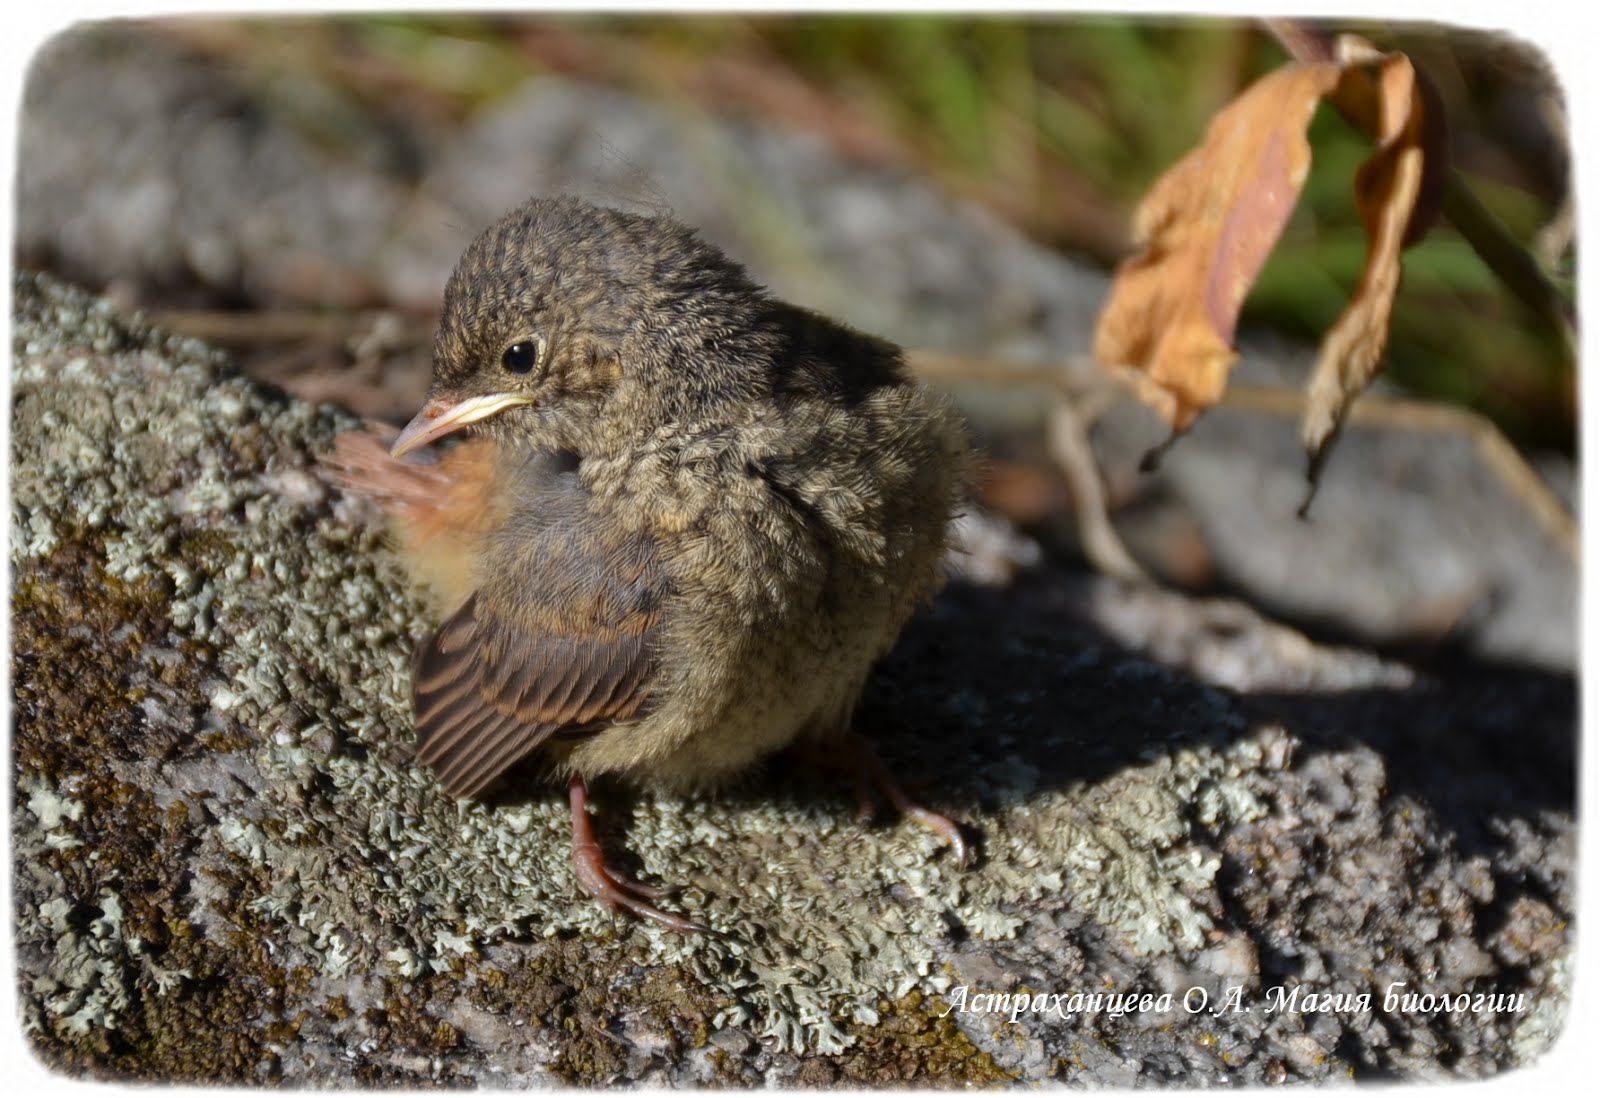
x=1069, y=445
x=1083, y=394
x=1078, y=374
x=236, y=328
x=1511, y=263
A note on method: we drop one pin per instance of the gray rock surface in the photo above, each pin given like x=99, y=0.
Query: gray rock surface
x=140, y=166
x=1412, y=534
x=226, y=871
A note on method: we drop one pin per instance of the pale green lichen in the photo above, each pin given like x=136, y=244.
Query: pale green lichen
x=50, y=807
x=311, y=625
x=323, y=863
x=86, y=985
x=1537, y=1029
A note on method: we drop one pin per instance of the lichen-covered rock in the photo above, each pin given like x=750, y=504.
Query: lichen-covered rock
x=227, y=871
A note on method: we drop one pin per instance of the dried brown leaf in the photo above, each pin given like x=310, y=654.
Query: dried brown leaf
x=1398, y=192
x=1208, y=225
x=1206, y=229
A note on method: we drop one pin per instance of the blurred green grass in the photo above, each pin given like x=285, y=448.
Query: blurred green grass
x=1059, y=124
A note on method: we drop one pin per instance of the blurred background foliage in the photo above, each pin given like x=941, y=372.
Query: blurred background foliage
x=1056, y=124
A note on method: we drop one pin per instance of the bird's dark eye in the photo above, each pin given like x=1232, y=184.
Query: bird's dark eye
x=521, y=357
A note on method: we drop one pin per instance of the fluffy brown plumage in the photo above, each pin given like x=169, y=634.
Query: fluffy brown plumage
x=690, y=518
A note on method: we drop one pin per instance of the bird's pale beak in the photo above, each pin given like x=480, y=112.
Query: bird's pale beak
x=440, y=417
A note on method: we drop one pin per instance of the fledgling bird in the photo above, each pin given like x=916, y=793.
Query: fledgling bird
x=688, y=521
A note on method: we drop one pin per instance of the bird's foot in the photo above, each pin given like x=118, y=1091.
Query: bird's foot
x=871, y=776
x=615, y=890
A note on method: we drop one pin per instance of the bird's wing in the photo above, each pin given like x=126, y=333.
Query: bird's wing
x=441, y=506
x=562, y=637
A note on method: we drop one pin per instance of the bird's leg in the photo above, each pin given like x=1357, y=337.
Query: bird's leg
x=605, y=884
x=859, y=757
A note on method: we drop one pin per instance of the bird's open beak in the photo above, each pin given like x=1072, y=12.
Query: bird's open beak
x=440, y=417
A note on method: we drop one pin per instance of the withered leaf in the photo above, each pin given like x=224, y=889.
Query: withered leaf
x=1208, y=225
x=1399, y=190
x=1206, y=229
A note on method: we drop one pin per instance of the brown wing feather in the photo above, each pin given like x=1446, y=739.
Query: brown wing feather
x=474, y=721
x=562, y=639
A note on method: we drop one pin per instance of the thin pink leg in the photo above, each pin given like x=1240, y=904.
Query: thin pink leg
x=874, y=774
x=850, y=753
x=605, y=884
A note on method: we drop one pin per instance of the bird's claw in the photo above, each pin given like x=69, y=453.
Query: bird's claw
x=872, y=776
x=624, y=894
x=618, y=892
x=945, y=829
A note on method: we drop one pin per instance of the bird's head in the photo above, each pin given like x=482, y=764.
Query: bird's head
x=575, y=328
